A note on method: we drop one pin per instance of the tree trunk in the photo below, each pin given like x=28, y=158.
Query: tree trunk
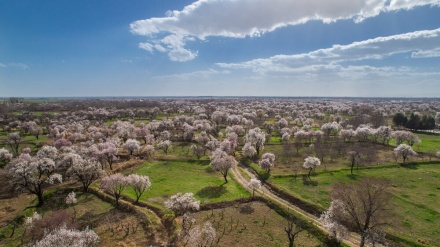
x=362, y=244
x=40, y=199
x=225, y=176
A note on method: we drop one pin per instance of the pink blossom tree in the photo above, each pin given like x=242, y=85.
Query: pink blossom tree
x=106, y=153
x=114, y=184
x=139, y=184
x=131, y=145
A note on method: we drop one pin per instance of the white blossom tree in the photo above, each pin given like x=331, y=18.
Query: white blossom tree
x=330, y=222
x=222, y=162
x=68, y=237
x=330, y=128
x=254, y=184
x=267, y=161
x=5, y=156
x=165, y=146
x=404, y=151
x=149, y=150
x=85, y=171
x=203, y=237
x=182, y=203
x=249, y=150
x=139, y=184
x=311, y=163
x=33, y=174
x=257, y=138
x=131, y=145
x=71, y=201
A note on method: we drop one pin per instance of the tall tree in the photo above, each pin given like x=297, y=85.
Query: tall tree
x=222, y=162
x=33, y=174
x=363, y=207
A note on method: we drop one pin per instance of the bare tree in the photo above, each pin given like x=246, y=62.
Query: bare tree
x=13, y=141
x=363, y=207
x=292, y=230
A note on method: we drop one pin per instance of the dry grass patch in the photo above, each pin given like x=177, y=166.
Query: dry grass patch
x=251, y=224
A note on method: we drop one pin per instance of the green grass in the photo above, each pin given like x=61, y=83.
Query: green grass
x=170, y=177
x=430, y=143
x=415, y=189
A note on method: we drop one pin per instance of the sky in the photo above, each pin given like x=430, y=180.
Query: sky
x=348, y=48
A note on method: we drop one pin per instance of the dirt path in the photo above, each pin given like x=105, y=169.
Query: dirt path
x=351, y=239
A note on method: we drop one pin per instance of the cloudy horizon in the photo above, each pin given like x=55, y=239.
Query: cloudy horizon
x=339, y=48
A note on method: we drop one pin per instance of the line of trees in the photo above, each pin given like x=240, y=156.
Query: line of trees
x=415, y=121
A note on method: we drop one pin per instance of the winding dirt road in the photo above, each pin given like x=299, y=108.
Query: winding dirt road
x=351, y=239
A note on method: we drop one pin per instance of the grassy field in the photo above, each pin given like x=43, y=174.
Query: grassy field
x=415, y=189
x=170, y=177
x=430, y=143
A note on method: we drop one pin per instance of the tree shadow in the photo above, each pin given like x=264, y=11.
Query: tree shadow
x=309, y=182
x=412, y=165
x=264, y=176
x=246, y=208
x=353, y=176
x=212, y=191
x=209, y=169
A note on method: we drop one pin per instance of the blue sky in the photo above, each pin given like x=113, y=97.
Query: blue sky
x=220, y=48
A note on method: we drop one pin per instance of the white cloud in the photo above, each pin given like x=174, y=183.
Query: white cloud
x=427, y=53
x=146, y=46
x=349, y=63
x=201, y=74
x=409, y=4
x=180, y=54
x=14, y=65
x=424, y=43
x=241, y=18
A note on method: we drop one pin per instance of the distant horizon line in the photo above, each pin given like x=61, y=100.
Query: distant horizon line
x=224, y=96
